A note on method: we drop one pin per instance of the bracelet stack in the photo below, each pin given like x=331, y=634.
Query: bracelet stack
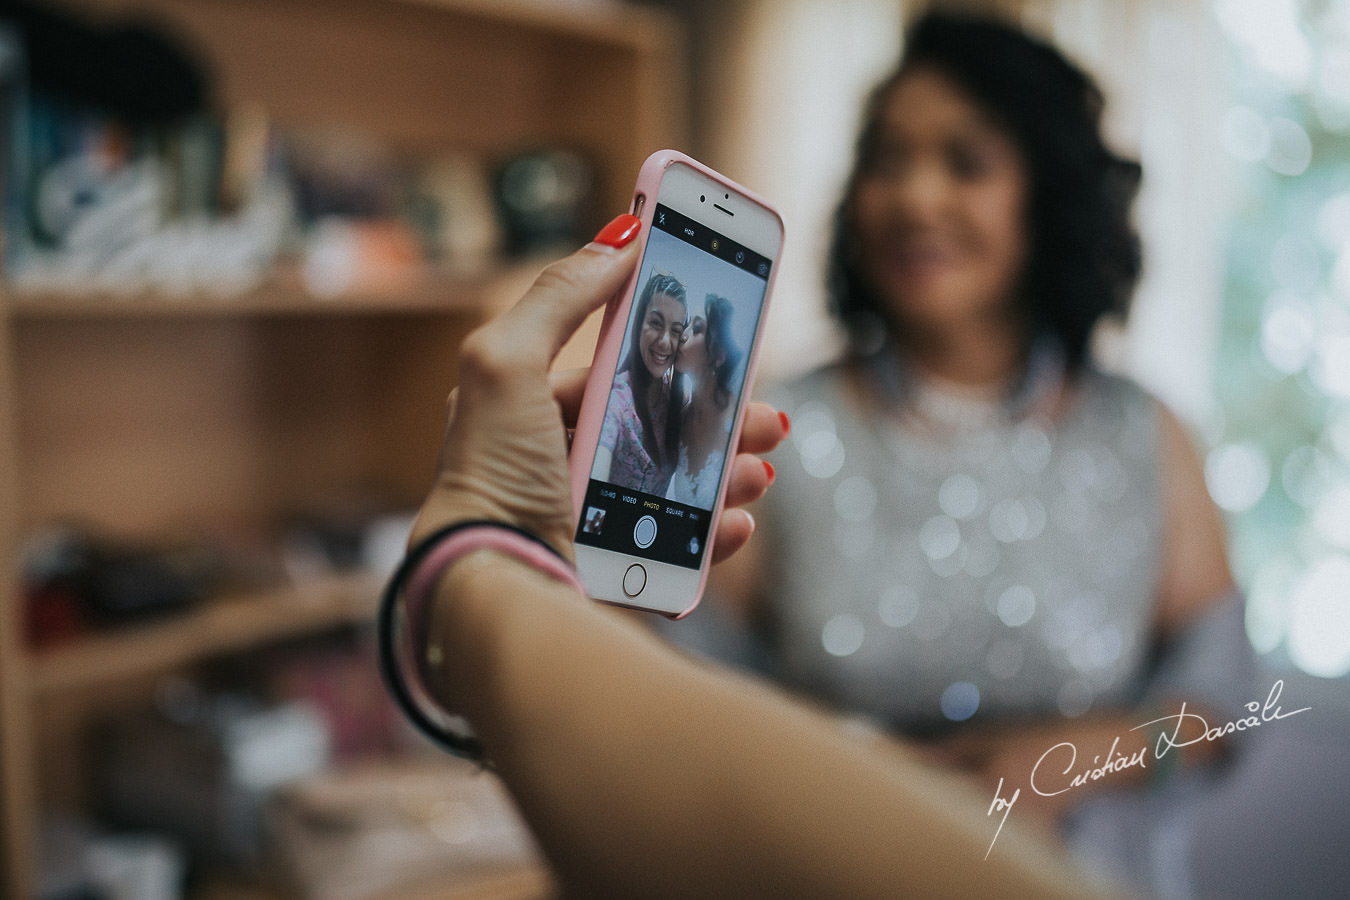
x=407, y=662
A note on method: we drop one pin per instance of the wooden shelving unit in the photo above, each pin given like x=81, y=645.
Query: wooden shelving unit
x=146, y=413
x=227, y=624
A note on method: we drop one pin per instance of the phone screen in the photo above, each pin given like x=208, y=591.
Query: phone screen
x=676, y=393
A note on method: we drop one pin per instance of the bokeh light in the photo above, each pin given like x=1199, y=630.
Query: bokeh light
x=1268, y=31
x=1319, y=625
x=1245, y=134
x=1333, y=223
x=1237, y=475
x=1331, y=364
x=1287, y=333
x=1331, y=520
x=1290, y=147
x=1280, y=463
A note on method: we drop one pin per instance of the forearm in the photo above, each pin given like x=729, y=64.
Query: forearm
x=644, y=773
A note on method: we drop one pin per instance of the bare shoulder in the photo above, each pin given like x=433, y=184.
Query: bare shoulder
x=1195, y=573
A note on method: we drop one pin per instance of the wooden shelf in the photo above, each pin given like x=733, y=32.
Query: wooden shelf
x=146, y=414
x=431, y=292
x=218, y=626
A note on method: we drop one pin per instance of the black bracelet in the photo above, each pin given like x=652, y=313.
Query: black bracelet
x=404, y=677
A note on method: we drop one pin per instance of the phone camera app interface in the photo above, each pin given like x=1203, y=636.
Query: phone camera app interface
x=675, y=394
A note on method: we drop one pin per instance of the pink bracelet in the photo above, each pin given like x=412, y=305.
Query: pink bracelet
x=476, y=536
x=407, y=599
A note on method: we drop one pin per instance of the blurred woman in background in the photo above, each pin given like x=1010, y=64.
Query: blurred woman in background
x=980, y=540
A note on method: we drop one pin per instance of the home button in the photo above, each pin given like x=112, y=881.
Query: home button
x=634, y=580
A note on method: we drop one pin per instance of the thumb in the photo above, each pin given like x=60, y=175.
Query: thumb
x=568, y=290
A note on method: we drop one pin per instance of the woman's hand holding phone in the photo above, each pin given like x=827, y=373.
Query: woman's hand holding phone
x=504, y=456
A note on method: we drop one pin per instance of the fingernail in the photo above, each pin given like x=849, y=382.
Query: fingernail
x=787, y=423
x=768, y=469
x=753, y=523
x=619, y=232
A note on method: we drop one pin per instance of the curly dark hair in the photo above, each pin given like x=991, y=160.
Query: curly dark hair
x=1085, y=258
x=717, y=313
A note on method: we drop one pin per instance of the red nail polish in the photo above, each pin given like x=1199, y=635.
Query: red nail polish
x=787, y=423
x=619, y=232
x=768, y=469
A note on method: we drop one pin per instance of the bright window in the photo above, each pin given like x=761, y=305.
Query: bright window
x=1280, y=466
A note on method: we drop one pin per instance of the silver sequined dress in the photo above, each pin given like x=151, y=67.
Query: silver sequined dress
x=1003, y=571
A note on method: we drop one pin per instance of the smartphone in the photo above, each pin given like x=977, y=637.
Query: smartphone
x=661, y=415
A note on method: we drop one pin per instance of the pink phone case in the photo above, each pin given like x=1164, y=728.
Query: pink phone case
x=591, y=415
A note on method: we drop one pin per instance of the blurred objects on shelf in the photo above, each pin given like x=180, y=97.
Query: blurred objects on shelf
x=103, y=194
x=384, y=540
x=351, y=256
x=543, y=196
x=96, y=202
x=340, y=174
x=85, y=61
x=218, y=206
x=336, y=676
x=78, y=580
x=75, y=580
x=201, y=766
x=453, y=205
x=77, y=861
x=348, y=534
x=292, y=760
x=367, y=831
x=113, y=171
